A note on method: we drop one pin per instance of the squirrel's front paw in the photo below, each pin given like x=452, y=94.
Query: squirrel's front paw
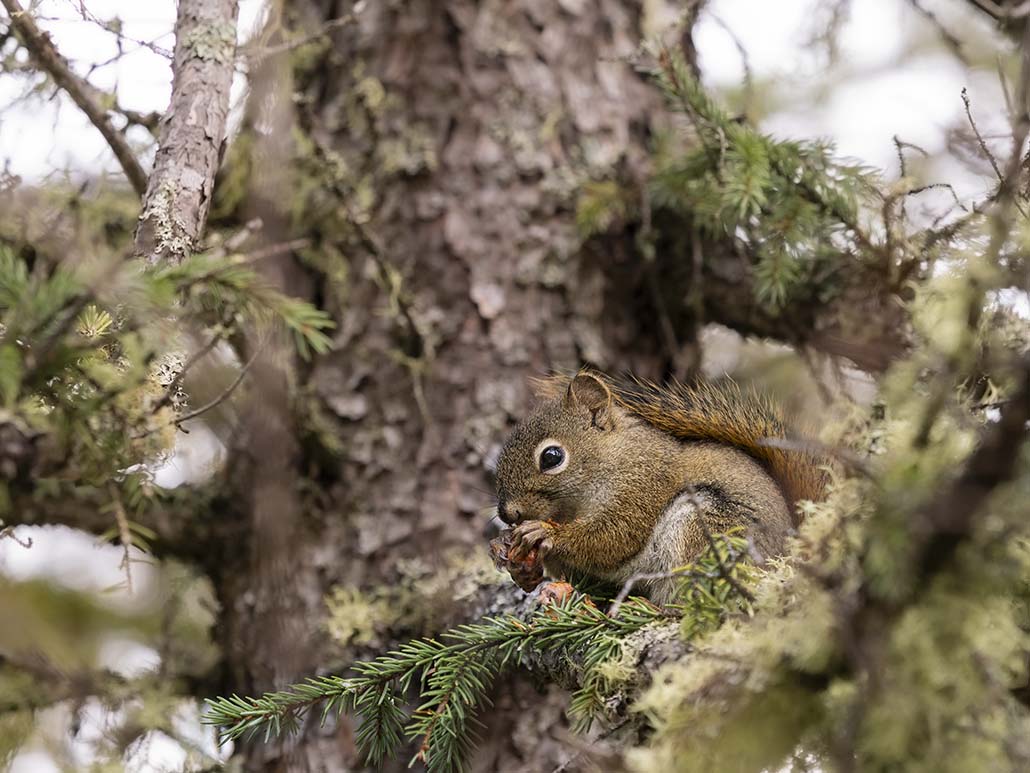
x=533, y=534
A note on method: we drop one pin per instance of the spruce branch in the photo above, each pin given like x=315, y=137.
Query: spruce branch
x=453, y=679
x=793, y=205
x=453, y=674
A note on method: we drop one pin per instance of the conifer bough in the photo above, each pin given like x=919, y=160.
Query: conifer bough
x=453, y=674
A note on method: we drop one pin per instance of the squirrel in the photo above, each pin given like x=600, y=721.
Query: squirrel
x=613, y=479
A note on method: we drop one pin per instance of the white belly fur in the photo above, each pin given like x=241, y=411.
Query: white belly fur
x=664, y=550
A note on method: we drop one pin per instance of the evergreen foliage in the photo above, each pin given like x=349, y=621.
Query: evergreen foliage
x=91, y=398
x=894, y=636
x=452, y=675
x=793, y=206
x=846, y=655
x=91, y=381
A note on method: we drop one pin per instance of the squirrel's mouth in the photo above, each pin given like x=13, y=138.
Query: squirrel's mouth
x=558, y=515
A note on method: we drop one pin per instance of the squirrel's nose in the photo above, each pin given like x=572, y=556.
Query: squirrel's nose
x=510, y=515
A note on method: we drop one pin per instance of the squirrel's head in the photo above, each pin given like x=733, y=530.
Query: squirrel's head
x=561, y=460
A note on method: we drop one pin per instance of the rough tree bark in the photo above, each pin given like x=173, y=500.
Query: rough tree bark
x=471, y=125
x=192, y=132
x=461, y=132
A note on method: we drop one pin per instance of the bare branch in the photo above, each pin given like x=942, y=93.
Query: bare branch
x=124, y=535
x=640, y=577
x=88, y=98
x=178, y=196
x=113, y=28
x=254, y=53
x=979, y=136
x=950, y=39
x=222, y=397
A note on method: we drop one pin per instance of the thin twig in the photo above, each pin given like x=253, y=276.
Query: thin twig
x=124, y=534
x=745, y=60
x=83, y=93
x=898, y=147
x=272, y=250
x=235, y=242
x=259, y=54
x=113, y=29
x=8, y=533
x=639, y=577
x=724, y=572
x=199, y=354
x=222, y=397
x=979, y=137
x=949, y=38
x=935, y=186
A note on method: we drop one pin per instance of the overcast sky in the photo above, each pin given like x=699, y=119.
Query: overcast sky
x=892, y=78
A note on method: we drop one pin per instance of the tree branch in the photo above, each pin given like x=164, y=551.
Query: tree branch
x=863, y=319
x=950, y=517
x=84, y=94
x=178, y=196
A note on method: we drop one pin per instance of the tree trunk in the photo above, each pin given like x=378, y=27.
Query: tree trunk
x=444, y=145
x=462, y=131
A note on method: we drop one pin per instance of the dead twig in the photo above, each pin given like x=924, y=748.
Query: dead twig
x=84, y=94
x=8, y=533
x=950, y=39
x=124, y=534
x=979, y=137
x=257, y=54
x=222, y=397
x=639, y=577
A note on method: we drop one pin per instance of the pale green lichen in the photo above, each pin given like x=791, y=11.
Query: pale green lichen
x=372, y=92
x=170, y=231
x=420, y=600
x=411, y=153
x=213, y=42
x=355, y=616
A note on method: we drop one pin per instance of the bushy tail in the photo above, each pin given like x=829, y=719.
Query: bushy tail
x=725, y=413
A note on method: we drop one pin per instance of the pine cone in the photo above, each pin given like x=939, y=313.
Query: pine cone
x=526, y=569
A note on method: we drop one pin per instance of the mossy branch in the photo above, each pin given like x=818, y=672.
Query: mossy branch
x=453, y=674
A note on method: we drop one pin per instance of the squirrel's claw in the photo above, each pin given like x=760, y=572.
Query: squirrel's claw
x=533, y=534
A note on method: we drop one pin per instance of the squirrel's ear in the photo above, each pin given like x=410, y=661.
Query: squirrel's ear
x=588, y=392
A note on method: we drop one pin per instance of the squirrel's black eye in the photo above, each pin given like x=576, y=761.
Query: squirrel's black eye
x=551, y=457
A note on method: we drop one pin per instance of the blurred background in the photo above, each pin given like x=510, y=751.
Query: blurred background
x=436, y=159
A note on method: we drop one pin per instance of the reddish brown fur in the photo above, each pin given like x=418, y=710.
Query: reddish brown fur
x=633, y=450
